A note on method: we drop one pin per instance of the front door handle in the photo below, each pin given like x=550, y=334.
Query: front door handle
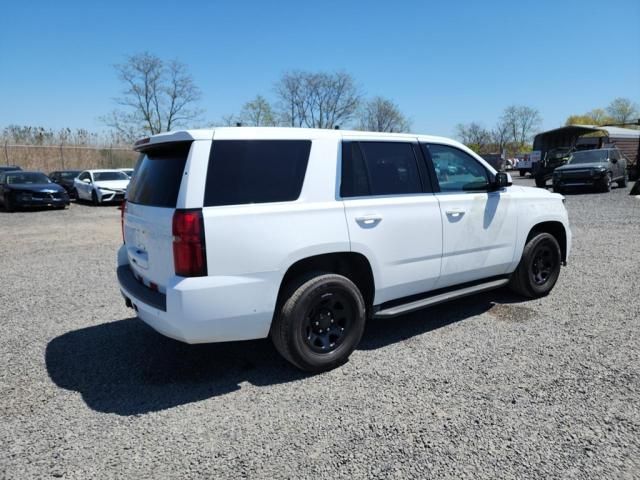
x=369, y=220
x=455, y=212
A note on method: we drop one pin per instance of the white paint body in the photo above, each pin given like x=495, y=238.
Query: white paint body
x=414, y=243
x=106, y=190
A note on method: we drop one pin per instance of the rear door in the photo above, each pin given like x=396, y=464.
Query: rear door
x=479, y=226
x=152, y=197
x=392, y=215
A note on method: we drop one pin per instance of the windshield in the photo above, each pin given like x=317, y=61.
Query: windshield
x=589, y=156
x=27, y=178
x=69, y=175
x=107, y=176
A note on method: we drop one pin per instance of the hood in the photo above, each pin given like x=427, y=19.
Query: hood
x=36, y=187
x=112, y=184
x=581, y=166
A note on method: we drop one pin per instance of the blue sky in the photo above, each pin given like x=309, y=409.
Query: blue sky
x=442, y=62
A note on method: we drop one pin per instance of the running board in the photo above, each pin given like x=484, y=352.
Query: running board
x=439, y=298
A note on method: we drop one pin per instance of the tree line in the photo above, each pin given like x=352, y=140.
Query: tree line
x=160, y=95
x=512, y=132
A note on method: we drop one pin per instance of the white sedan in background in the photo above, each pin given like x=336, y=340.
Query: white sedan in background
x=101, y=186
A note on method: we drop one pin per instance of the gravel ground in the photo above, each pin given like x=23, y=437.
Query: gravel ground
x=488, y=387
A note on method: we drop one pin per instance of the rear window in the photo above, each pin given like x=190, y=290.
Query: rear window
x=159, y=174
x=255, y=171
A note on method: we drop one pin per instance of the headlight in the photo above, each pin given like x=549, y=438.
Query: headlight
x=598, y=172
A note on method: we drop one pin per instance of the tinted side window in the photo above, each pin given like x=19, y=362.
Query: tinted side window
x=379, y=168
x=159, y=175
x=83, y=176
x=456, y=170
x=355, y=180
x=255, y=171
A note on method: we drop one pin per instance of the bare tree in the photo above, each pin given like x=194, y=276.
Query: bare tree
x=258, y=113
x=382, y=115
x=623, y=110
x=317, y=100
x=474, y=135
x=157, y=96
x=521, y=123
x=500, y=136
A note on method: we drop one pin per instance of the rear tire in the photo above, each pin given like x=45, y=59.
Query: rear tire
x=541, y=182
x=539, y=267
x=622, y=183
x=558, y=189
x=320, y=322
x=522, y=173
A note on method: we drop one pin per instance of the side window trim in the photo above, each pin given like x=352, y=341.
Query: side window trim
x=432, y=169
x=424, y=178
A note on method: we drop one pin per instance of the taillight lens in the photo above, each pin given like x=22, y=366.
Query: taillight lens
x=189, y=253
x=123, y=209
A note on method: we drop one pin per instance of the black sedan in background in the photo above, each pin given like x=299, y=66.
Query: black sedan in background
x=9, y=168
x=65, y=179
x=30, y=189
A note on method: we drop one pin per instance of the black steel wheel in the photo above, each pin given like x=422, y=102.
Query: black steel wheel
x=320, y=321
x=539, y=267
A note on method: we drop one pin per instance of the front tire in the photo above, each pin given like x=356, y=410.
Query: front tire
x=320, y=322
x=539, y=267
x=605, y=183
x=8, y=203
x=522, y=173
x=94, y=198
x=541, y=182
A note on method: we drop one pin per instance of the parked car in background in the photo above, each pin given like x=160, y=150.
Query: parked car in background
x=65, y=179
x=101, y=186
x=554, y=158
x=9, y=168
x=30, y=189
x=304, y=234
x=128, y=171
x=594, y=168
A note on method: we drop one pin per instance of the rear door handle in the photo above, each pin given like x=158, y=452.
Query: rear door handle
x=369, y=220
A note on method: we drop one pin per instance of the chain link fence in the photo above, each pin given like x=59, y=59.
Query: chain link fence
x=47, y=158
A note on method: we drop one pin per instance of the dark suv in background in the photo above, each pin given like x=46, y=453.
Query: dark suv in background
x=65, y=179
x=594, y=168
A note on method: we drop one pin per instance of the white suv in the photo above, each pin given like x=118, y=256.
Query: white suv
x=302, y=235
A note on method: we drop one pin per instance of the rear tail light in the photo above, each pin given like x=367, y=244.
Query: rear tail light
x=123, y=209
x=189, y=253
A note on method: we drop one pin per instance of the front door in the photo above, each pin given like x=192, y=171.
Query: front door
x=479, y=225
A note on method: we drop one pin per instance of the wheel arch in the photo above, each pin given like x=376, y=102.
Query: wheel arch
x=554, y=228
x=355, y=266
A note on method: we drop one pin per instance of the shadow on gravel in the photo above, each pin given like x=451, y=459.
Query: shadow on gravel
x=125, y=367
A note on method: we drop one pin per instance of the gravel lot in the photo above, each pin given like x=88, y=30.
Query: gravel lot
x=488, y=387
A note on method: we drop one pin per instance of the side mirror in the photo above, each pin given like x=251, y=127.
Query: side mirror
x=86, y=180
x=501, y=180
x=614, y=160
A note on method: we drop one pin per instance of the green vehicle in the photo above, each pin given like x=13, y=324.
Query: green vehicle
x=556, y=157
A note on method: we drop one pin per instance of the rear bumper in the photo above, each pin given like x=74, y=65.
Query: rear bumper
x=203, y=309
